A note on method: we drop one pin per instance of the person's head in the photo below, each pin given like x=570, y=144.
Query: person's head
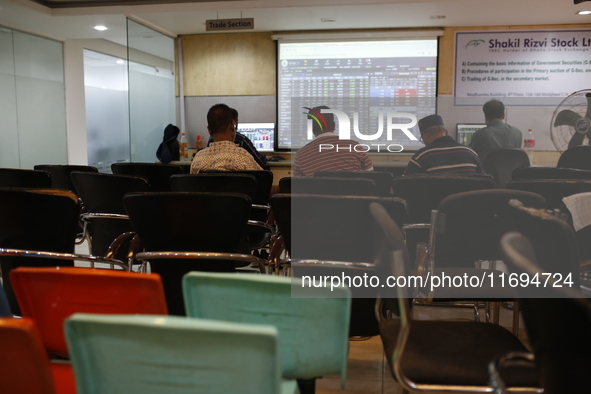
x=321, y=122
x=431, y=128
x=234, y=115
x=493, y=110
x=220, y=123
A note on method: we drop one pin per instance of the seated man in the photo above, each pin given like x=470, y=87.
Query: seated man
x=222, y=154
x=497, y=134
x=244, y=142
x=442, y=154
x=327, y=152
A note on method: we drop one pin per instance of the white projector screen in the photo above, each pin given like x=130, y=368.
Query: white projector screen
x=377, y=84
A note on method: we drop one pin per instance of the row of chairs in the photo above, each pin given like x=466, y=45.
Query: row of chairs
x=308, y=334
x=460, y=355
x=318, y=213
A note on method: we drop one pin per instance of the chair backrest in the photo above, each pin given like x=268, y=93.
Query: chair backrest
x=382, y=179
x=500, y=163
x=60, y=174
x=423, y=193
x=391, y=258
x=285, y=184
x=557, y=320
x=553, y=239
x=334, y=228
x=25, y=366
x=36, y=219
x=48, y=296
x=157, y=174
x=216, y=183
x=468, y=226
x=4, y=307
x=550, y=173
x=155, y=354
x=576, y=157
x=312, y=324
x=103, y=193
x=264, y=183
x=553, y=190
x=15, y=177
x=193, y=222
x=333, y=186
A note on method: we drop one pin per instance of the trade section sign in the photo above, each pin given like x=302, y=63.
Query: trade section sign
x=229, y=24
x=521, y=67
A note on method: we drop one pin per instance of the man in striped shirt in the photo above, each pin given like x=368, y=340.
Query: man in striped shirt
x=442, y=154
x=327, y=152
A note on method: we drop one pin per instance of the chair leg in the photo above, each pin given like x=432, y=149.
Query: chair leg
x=307, y=386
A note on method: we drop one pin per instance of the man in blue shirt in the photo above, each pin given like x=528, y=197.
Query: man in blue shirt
x=497, y=134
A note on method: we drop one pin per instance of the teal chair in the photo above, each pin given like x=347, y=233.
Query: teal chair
x=313, y=322
x=174, y=355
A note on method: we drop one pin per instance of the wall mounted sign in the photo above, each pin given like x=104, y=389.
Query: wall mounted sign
x=229, y=24
x=535, y=67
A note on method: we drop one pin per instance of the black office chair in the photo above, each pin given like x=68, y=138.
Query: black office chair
x=423, y=193
x=259, y=232
x=500, y=163
x=60, y=174
x=576, y=157
x=550, y=173
x=333, y=186
x=16, y=177
x=553, y=239
x=331, y=235
x=38, y=228
x=557, y=320
x=553, y=190
x=382, y=179
x=157, y=174
x=183, y=232
x=434, y=355
x=105, y=217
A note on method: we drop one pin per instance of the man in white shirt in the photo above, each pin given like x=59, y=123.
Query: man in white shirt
x=222, y=154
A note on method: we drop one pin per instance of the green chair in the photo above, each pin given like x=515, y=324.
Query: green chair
x=175, y=355
x=313, y=322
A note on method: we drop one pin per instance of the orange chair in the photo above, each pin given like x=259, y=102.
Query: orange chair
x=24, y=366
x=50, y=295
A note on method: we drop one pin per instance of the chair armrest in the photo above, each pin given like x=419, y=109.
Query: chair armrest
x=61, y=256
x=413, y=226
x=246, y=258
x=506, y=361
x=103, y=216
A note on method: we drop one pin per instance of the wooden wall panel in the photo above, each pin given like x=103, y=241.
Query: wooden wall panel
x=235, y=64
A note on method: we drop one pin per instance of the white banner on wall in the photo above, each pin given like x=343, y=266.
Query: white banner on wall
x=536, y=67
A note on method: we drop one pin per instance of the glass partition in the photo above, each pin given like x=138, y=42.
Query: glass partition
x=107, y=116
x=32, y=104
x=151, y=89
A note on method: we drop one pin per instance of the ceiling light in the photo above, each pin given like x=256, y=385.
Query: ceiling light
x=120, y=61
x=100, y=27
x=328, y=19
x=586, y=12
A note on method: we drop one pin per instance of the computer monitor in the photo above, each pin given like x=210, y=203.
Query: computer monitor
x=464, y=131
x=261, y=135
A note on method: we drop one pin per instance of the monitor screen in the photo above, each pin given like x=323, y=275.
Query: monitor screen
x=376, y=85
x=260, y=134
x=464, y=131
